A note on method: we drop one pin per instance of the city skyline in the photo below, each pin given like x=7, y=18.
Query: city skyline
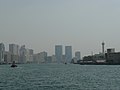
x=42, y=24
x=22, y=54
x=7, y=48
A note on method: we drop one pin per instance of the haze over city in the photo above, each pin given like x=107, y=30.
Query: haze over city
x=42, y=24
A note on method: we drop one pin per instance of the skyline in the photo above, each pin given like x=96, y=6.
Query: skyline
x=42, y=24
x=11, y=45
x=23, y=54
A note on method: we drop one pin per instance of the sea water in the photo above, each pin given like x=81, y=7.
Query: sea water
x=60, y=77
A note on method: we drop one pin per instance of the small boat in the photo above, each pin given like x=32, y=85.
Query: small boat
x=13, y=64
x=65, y=63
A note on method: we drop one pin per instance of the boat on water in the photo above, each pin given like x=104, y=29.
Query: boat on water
x=13, y=64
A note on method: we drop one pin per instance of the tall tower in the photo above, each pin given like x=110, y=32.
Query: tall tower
x=58, y=53
x=68, y=54
x=103, y=44
x=14, y=50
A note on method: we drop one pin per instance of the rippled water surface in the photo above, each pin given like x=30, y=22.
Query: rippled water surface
x=60, y=77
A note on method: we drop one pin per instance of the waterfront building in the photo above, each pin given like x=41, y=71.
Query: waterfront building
x=7, y=57
x=68, y=54
x=22, y=54
x=77, y=55
x=88, y=58
x=111, y=50
x=49, y=59
x=14, y=50
x=63, y=59
x=35, y=58
x=2, y=51
x=31, y=51
x=29, y=55
x=99, y=58
x=112, y=57
x=58, y=53
x=74, y=60
x=41, y=57
x=54, y=59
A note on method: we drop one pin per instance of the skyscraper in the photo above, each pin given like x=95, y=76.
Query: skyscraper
x=77, y=55
x=58, y=53
x=22, y=54
x=68, y=54
x=14, y=50
x=29, y=55
x=2, y=51
x=42, y=57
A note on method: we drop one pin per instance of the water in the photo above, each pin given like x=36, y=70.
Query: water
x=60, y=77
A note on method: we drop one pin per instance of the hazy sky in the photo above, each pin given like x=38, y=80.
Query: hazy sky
x=41, y=24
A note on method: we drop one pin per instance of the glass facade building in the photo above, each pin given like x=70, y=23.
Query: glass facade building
x=68, y=54
x=58, y=53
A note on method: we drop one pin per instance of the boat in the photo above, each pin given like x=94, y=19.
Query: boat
x=13, y=64
x=65, y=63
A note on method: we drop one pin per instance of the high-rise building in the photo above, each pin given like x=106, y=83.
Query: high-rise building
x=14, y=50
x=29, y=55
x=2, y=51
x=54, y=59
x=77, y=55
x=68, y=54
x=7, y=57
x=41, y=57
x=22, y=54
x=31, y=51
x=49, y=59
x=58, y=53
